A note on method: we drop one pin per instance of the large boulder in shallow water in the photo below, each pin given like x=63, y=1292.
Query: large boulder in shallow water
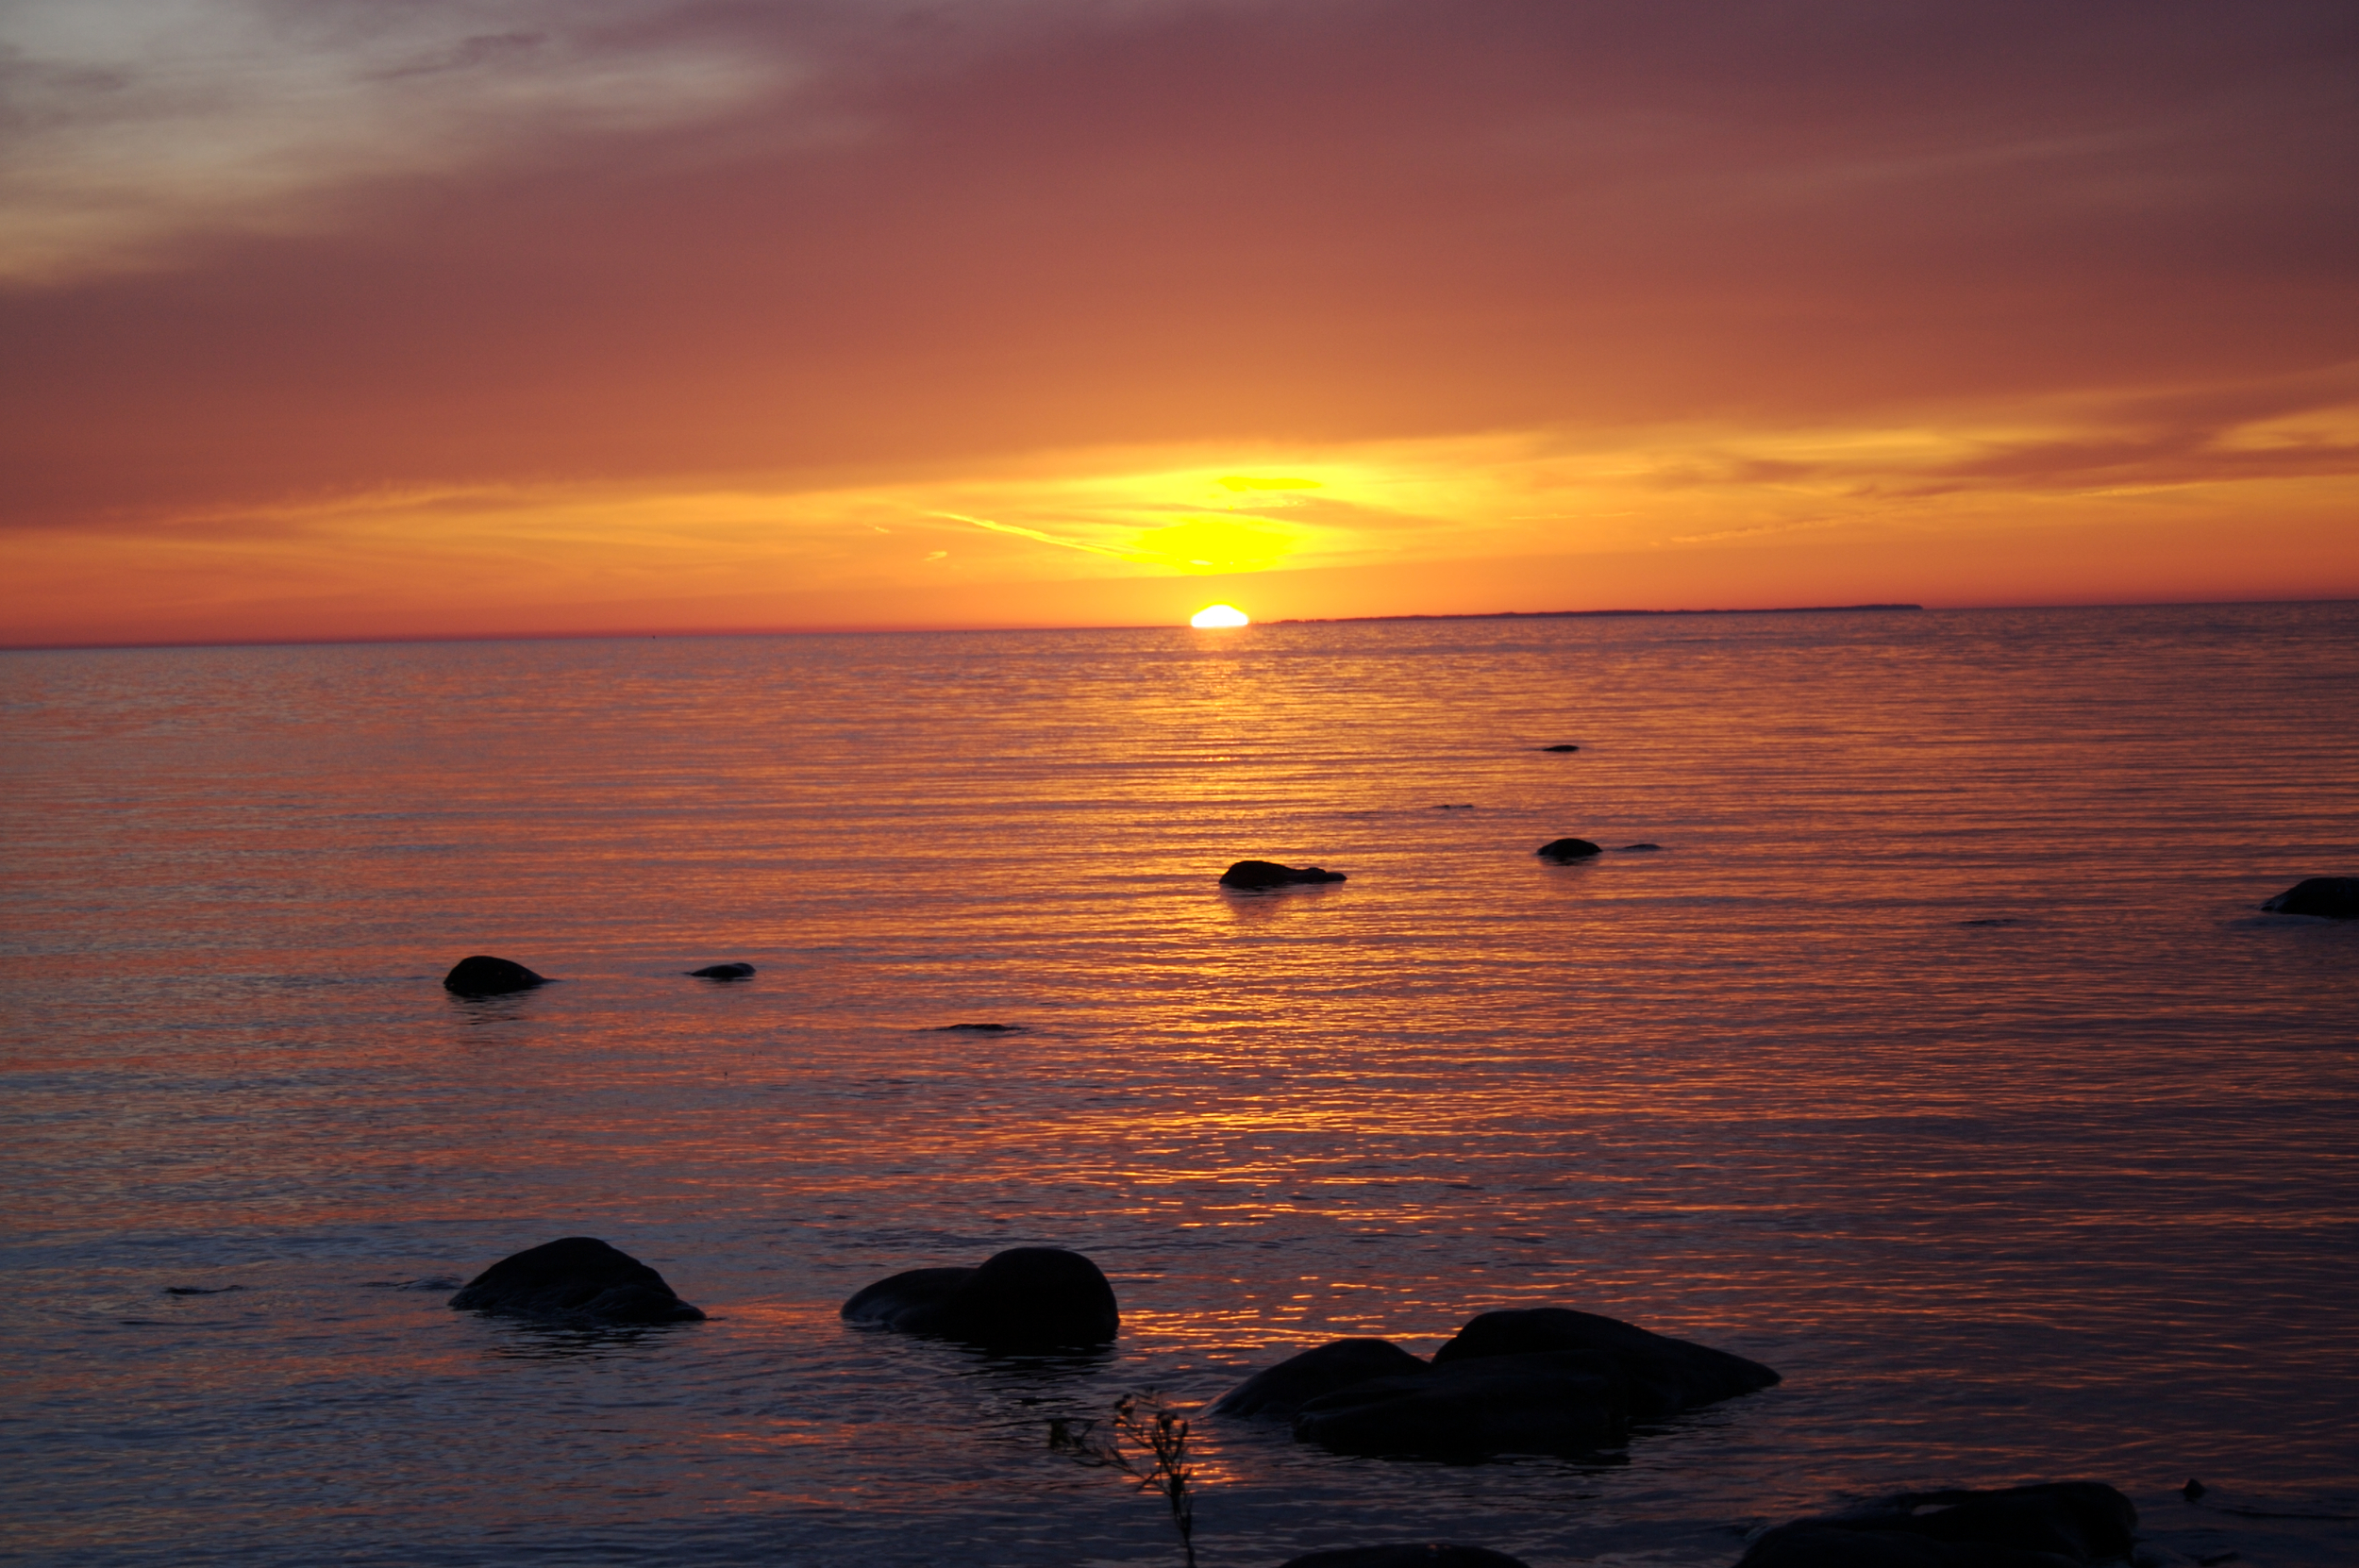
x=1027, y=1299
x=2056, y=1525
x=1433, y=1554
x=1566, y=1403
x=1568, y=849
x=1269, y=873
x=577, y=1279
x=483, y=975
x=1665, y=1375
x=2333, y=897
x=1538, y=1381
x=1283, y=1389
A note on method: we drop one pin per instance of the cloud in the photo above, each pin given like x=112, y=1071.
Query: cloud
x=132, y=122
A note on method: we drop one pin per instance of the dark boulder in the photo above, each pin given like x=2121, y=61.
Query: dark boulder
x=1665, y=1375
x=1424, y=1555
x=1559, y=748
x=1283, y=1388
x=2055, y=1525
x=1269, y=873
x=1640, y=848
x=1025, y=1299
x=482, y=976
x=1563, y=1403
x=2332, y=898
x=723, y=972
x=575, y=1279
x=1568, y=849
x=978, y=1028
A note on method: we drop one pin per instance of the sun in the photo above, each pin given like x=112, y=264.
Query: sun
x=1219, y=615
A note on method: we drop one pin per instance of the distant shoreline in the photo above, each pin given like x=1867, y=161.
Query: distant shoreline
x=1572, y=614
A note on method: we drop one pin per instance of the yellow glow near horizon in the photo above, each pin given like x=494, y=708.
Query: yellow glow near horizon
x=1219, y=615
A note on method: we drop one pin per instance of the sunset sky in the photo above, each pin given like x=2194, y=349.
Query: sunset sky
x=341, y=318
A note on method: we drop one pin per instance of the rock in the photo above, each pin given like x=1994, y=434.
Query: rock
x=1559, y=748
x=2332, y=898
x=2055, y=1525
x=481, y=976
x=2193, y=1489
x=723, y=972
x=978, y=1028
x=1281, y=1390
x=1269, y=873
x=1561, y=1403
x=1639, y=848
x=577, y=1279
x=1666, y=1375
x=1025, y=1299
x=1426, y=1555
x=1568, y=849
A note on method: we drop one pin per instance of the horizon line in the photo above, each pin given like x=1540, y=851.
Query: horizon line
x=679, y=633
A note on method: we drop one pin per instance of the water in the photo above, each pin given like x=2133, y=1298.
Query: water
x=1940, y=1059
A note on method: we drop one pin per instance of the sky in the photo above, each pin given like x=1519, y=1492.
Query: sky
x=451, y=318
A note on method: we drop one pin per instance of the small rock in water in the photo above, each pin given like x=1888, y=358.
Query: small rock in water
x=1025, y=1299
x=200, y=1290
x=1639, y=848
x=2054, y=1523
x=1428, y=1553
x=2193, y=1489
x=1468, y=807
x=1559, y=748
x=2330, y=897
x=579, y=1279
x=484, y=975
x=1568, y=849
x=723, y=972
x=978, y=1028
x=1269, y=873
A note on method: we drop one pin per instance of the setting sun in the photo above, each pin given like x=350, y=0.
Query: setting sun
x=1219, y=615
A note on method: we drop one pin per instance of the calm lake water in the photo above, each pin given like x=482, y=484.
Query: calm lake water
x=1940, y=1059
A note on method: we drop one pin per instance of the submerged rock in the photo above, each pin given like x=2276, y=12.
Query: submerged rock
x=1559, y=748
x=1269, y=873
x=2332, y=898
x=2053, y=1525
x=1568, y=849
x=978, y=1028
x=577, y=1278
x=484, y=975
x=1025, y=1299
x=1433, y=1554
x=1283, y=1389
x=1639, y=848
x=723, y=972
x=1538, y=1381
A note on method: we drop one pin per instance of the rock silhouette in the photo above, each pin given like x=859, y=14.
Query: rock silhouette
x=1283, y=1388
x=2333, y=897
x=1568, y=849
x=1639, y=848
x=1434, y=1553
x=723, y=972
x=484, y=975
x=577, y=1278
x=1559, y=748
x=1025, y=1299
x=1536, y=1380
x=2054, y=1524
x=1269, y=873
x=1666, y=1375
